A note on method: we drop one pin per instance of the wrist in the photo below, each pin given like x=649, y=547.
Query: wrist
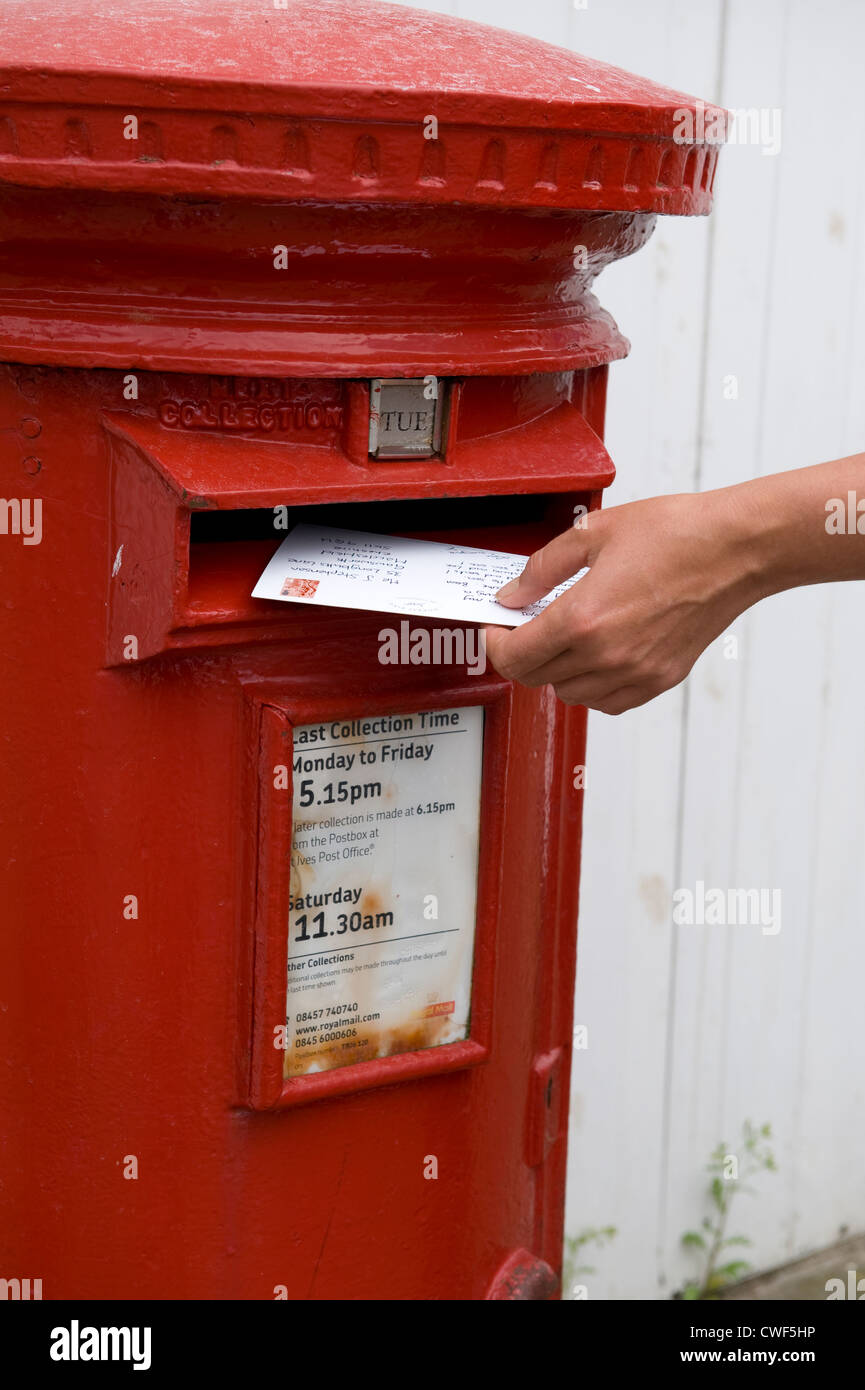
x=742, y=520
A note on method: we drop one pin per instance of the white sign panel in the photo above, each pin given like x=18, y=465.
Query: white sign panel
x=384, y=865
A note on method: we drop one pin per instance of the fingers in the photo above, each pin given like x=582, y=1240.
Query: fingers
x=611, y=694
x=611, y=691
x=546, y=568
x=565, y=632
x=597, y=692
x=577, y=672
x=516, y=652
x=564, y=668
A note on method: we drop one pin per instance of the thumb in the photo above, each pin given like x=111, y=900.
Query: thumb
x=547, y=567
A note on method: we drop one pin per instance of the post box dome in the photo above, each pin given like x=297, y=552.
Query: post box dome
x=329, y=100
x=336, y=187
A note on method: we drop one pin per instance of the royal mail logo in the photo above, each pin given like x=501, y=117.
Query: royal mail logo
x=436, y=1010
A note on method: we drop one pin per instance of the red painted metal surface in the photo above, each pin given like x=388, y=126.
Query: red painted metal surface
x=164, y=387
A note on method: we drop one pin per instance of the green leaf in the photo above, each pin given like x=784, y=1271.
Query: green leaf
x=736, y=1240
x=694, y=1238
x=734, y=1270
x=717, y=1191
x=691, y=1292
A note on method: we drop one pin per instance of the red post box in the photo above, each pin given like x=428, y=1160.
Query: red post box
x=290, y=938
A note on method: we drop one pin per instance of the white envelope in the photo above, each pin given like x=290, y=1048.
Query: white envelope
x=387, y=574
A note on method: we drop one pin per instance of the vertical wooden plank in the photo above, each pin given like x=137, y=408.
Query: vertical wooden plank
x=739, y=298
x=753, y=1033
x=827, y=1127
x=629, y=853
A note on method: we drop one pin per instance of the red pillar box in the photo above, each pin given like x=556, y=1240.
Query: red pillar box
x=288, y=979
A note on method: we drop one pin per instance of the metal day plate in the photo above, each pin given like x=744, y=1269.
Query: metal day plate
x=405, y=417
x=384, y=866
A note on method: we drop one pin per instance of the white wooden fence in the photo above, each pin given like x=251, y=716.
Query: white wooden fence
x=752, y=774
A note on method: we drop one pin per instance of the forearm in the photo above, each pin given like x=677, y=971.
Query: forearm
x=806, y=526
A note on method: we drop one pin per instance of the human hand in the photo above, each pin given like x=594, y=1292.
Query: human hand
x=666, y=577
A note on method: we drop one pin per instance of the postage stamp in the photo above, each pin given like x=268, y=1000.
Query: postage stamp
x=299, y=588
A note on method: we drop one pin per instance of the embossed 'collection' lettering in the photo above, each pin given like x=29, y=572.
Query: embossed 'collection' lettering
x=267, y=416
